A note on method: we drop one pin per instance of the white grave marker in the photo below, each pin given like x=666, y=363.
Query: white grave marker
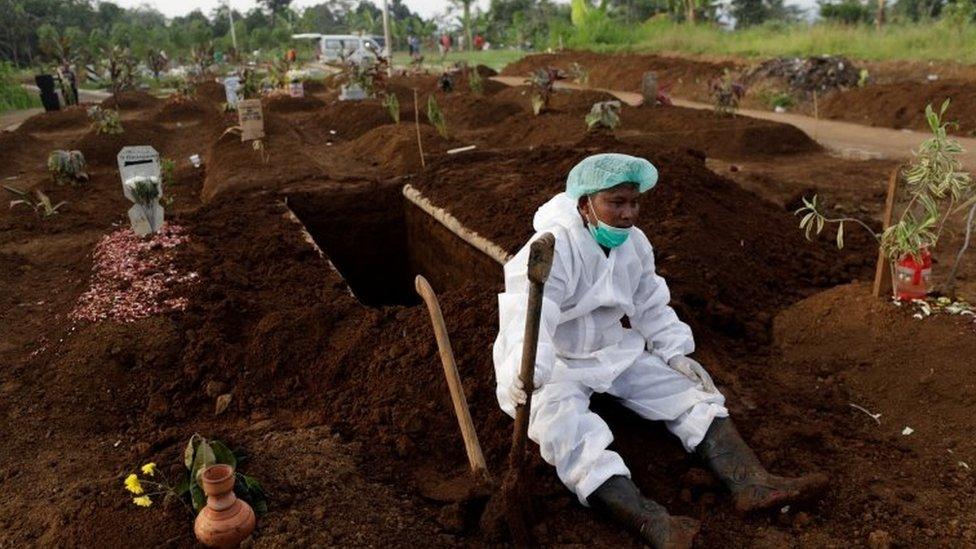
x=142, y=184
x=251, y=119
x=231, y=85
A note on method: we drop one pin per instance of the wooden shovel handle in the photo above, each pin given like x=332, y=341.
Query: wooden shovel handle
x=540, y=263
x=476, y=459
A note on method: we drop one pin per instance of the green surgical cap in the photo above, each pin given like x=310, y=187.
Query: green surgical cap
x=603, y=171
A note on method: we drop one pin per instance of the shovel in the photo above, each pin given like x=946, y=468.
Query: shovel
x=514, y=489
x=476, y=459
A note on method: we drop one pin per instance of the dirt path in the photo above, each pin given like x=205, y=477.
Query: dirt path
x=11, y=120
x=844, y=138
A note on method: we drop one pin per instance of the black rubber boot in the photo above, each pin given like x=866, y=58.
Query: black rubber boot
x=621, y=500
x=751, y=485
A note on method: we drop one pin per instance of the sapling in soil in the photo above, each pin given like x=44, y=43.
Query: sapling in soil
x=543, y=83
x=105, y=121
x=579, y=74
x=436, y=116
x=605, y=114
x=726, y=93
x=40, y=202
x=67, y=167
x=475, y=81
x=392, y=105
x=938, y=188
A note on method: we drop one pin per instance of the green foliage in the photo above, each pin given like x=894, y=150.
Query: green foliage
x=67, y=167
x=936, y=184
x=475, y=81
x=848, y=12
x=13, y=96
x=167, y=168
x=436, y=117
x=201, y=453
x=579, y=74
x=543, y=84
x=773, y=98
x=105, y=121
x=726, y=93
x=40, y=202
x=605, y=114
x=392, y=105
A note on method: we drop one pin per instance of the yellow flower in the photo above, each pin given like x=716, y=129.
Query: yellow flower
x=149, y=469
x=133, y=485
x=143, y=501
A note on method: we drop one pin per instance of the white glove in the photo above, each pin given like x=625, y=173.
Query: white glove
x=516, y=391
x=694, y=371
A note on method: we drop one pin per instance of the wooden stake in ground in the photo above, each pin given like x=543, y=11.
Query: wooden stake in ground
x=416, y=121
x=882, y=283
x=476, y=459
x=514, y=490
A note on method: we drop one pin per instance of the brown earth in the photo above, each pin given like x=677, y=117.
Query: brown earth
x=131, y=100
x=341, y=401
x=902, y=104
x=895, y=96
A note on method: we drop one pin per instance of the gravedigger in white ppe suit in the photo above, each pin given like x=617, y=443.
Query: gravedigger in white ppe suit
x=602, y=272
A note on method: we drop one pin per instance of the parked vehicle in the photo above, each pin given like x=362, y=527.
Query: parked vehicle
x=334, y=47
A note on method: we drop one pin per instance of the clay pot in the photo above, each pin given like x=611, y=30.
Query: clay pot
x=226, y=521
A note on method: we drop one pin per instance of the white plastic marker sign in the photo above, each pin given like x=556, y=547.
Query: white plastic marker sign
x=251, y=119
x=296, y=89
x=142, y=164
x=231, y=83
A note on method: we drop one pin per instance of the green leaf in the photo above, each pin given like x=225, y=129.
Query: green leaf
x=254, y=486
x=197, y=497
x=204, y=458
x=191, y=447
x=840, y=236
x=222, y=453
x=806, y=219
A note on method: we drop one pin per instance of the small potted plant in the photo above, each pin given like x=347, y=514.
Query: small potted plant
x=937, y=188
x=67, y=167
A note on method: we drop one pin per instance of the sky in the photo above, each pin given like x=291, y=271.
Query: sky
x=426, y=8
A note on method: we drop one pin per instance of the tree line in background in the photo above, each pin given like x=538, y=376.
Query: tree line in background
x=82, y=32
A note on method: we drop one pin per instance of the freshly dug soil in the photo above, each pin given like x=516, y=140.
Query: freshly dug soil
x=683, y=77
x=393, y=148
x=102, y=149
x=902, y=104
x=131, y=100
x=74, y=117
x=211, y=92
x=351, y=119
x=185, y=110
x=287, y=104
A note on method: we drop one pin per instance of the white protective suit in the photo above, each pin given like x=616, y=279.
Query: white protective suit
x=584, y=348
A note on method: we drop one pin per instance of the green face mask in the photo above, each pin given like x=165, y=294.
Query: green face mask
x=606, y=235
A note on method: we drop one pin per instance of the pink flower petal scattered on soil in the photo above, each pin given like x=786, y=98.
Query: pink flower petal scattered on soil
x=133, y=278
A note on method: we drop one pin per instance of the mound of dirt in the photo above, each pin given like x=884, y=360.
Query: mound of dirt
x=735, y=137
x=476, y=112
x=282, y=104
x=315, y=86
x=210, y=91
x=562, y=101
x=74, y=117
x=914, y=373
x=102, y=150
x=131, y=101
x=393, y=148
x=351, y=119
x=683, y=77
x=233, y=166
x=184, y=110
x=902, y=104
x=21, y=151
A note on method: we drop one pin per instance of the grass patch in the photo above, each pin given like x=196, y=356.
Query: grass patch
x=921, y=41
x=13, y=96
x=495, y=59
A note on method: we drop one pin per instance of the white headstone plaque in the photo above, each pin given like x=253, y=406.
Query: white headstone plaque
x=231, y=84
x=251, y=119
x=142, y=164
x=142, y=160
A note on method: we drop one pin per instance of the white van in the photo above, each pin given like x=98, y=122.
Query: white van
x=333, y=47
